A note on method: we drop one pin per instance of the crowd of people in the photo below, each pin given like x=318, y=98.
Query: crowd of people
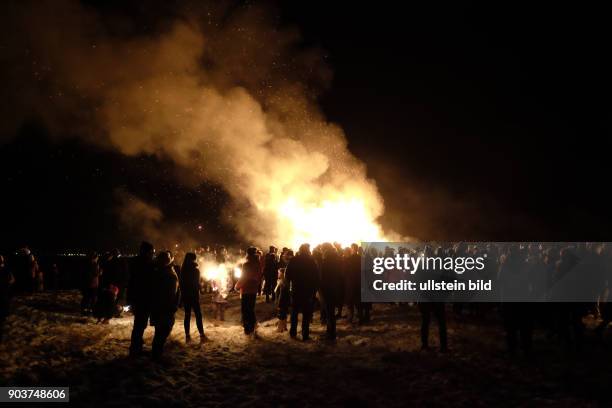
x=326, y=278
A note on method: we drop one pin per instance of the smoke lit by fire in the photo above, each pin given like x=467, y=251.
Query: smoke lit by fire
x=227, y=96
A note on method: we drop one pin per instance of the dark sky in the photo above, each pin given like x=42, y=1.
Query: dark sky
x=478, y=122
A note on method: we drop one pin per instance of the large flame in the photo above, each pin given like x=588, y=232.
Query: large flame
x=345, y=221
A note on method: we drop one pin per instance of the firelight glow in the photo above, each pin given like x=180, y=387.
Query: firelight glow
x=345, y=221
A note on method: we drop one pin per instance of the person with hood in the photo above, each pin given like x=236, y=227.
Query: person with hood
x=165, y=292
x=332, y=286
x=190, y=292
x=139, y=294
x=248, y=285
x=6, y=280
x=303, y=277
x=270, y=272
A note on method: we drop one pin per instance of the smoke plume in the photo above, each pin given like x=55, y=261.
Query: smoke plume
x=222, y=91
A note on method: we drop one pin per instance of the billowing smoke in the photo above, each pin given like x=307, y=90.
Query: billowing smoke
x=219, y=90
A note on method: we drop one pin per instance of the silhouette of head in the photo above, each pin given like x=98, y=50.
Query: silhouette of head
x=305, y=249
x=190, y=259
x=164, y=258
x=146, y=249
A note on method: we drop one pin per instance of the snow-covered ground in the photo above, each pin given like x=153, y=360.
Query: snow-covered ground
x=380, y=364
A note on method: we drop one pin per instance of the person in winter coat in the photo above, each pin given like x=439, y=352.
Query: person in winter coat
x=6, y=280
x=165, y=292
x=331, y=286
x=190, y=292
x=139, y=294
x=248, y=285
x=303, y=277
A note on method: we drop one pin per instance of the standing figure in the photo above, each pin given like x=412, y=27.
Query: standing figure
x=90, y=285
x=106, y=306
x=165, y=292
x=302, y=275
x=352, y=280
x=433, y=303
x=248, y=285
x=190, y=292
x=270, y=272
x=139, y=294
x=282, y=290
x=332, y=286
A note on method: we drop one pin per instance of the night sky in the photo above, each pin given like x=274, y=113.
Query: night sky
x=478, y=122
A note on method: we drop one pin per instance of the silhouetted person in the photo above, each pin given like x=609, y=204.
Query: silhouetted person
x=282, y=290
x=352, y=293
x=248, y=285
x=302, y=275
x=439, y=312
x=270, y=273
x=139, y=294
x=106, y=306
x=6, y=280
x=331, y=286
x=90, y=284
x=165, y=298
x=190, y=293
x=39, y=276
x=25, y=270
x=518, y=316
x=433, y=303
x=570, y=325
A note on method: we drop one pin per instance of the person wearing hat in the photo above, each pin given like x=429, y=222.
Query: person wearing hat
x=248, y=285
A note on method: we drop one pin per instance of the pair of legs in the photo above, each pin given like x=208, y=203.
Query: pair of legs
x=163, y=328
x=247, y=304
x=363, y=312
x=195, y=305
x=305, y=308
x=438, y=310
x=220, y=311
x=330, y=310
x=518, y=322
x=141, y=321
x=89, y=299
x=269, y=287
